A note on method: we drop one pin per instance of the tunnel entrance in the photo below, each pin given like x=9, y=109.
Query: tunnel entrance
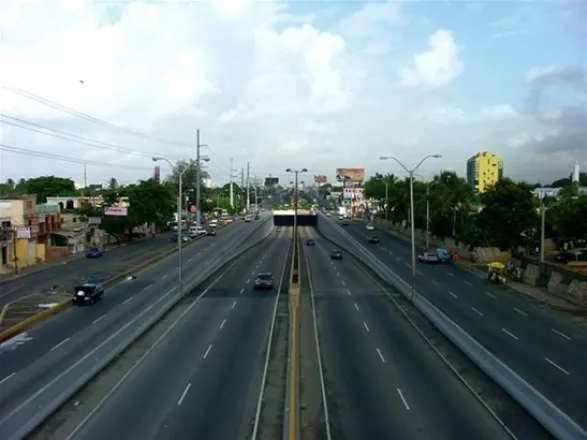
x=286, y=218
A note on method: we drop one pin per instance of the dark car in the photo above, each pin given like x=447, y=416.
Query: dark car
x=345, y=223
x=88, y=293
x=94, y=253
x=264, y=280
x=373, y=239
x=211, y=231
x=336, y=254
x=310, y=243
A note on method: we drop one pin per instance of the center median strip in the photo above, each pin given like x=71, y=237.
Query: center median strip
x=23, y=314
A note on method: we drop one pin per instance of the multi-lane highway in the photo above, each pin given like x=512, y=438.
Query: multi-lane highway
x=202, y=380
x=32, y=368
x=113, y=262
x=547, y=351
x=382, y=380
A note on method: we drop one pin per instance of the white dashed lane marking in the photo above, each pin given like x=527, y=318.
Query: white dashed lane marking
x=476, y=311
x=99, y=319
x=222, y=323
x=452, y=294
x=405, y=402
x=365, y=325
x=185, y=391
x=490, y=294
x=356, y=307
x=380, y=355
x=558, y=367
x=208, y=351
x=568, y=338
x=510, y=334
x=521, y=312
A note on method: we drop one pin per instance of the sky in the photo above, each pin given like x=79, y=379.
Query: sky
x=291, y=84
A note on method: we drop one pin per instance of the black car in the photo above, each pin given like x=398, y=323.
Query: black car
x=310, y=243
x=211, y=231
x=94, y=253
x=374, y=239
x=88, y=293
x=336, y=254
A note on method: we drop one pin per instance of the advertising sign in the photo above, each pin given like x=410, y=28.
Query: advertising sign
x=320, y=179
x=271, y=181
x=350, y=174
x=115, y=211
x=353, y=193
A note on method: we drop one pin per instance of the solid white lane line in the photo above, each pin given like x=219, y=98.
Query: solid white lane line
x=380, y=356
x=356, y=307
x=521, y=312
x=435, y=282
x=207, y=351
x=452, y=294
x=468, y=283
x=490, y=294
x=511, y=335
x=11, y=375
x=185, y=391
x=343, y=283
x=348, y=292
x=234, y=304
x=555, y=365
x=366, y=327
x=164, y=276
x=477, y=311
x=149, y=286
x=99, y=319
x=242, y=290
x=55, y=347
x=401, y=396
x=568, y=338
x=222, y=324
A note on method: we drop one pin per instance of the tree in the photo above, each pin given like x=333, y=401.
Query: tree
x=509, y=214
x=113, y=184
x=188, y=178
x=569, y=217
x=49, y=186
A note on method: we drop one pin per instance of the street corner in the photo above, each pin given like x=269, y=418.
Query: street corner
x=16, y=312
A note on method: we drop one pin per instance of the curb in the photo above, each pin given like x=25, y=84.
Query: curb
x=32, y=320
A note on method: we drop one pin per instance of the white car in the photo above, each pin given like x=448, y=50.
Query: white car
x=370, y=228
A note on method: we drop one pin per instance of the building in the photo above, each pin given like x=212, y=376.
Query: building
x=20, y=229
x=484, y=170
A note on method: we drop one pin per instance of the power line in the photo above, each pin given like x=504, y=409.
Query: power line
x=71, y=137
x=32, y=96
x=24, y=151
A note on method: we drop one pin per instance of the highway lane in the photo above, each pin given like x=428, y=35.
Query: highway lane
x=383, y=380
x=202, y=380
x=547, y=351
x=66, y=338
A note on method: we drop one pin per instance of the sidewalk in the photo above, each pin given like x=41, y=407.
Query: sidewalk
x=28, y=270
x=540, y=294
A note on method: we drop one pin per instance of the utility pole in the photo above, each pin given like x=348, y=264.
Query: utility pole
x=427, y=215
x=248, y=188
x=231, y=185
x=85, y=179
x=255, y=190
x=242, y=177
x=198, y=180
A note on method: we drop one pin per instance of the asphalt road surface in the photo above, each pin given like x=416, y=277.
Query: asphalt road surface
x=547, y=351
x=31, y=361
x=202, y=381
x=113, y=262
x=382, y=379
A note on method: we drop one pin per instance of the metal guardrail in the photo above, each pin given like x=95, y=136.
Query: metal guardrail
x=535, y=403
x=56, y=393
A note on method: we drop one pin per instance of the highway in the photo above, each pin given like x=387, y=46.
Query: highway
x=29, y=367
x=202, y=380
x=113, y=262
x=383, y=381
x=546, y=350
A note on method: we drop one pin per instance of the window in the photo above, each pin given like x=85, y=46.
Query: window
x=29, y=205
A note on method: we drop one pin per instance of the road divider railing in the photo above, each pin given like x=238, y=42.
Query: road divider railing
x=291, y=426
x=36, y=318
x=554, y=420
x=30, y=414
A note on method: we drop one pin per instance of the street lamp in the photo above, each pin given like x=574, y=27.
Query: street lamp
x=179, y=222
x=412, y=227
x=296, y=172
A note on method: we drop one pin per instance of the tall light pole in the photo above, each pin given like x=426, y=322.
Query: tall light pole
x=412, y=226
x=199, y=159
x=427, y=215
x=179, y=222
x=296, y=172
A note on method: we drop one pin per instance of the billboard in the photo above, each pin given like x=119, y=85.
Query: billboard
x=353, y=193
x=115, y=211
x=271, y=181
x=350, y=174
x=320, y=179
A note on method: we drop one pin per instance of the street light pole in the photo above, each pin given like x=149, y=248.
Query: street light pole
x=427, y=215
x=542, y=228
x=412, y=215
x=386, y=204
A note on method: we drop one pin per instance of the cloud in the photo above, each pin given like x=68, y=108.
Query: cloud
x=438, y=66
x=499, y=111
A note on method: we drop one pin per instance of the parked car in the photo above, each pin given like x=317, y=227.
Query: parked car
x=264, y=280
x=94, y=253
x=88, y=293
x=336, y=254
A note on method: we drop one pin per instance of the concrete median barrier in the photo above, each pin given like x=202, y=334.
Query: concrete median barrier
x=23, y=314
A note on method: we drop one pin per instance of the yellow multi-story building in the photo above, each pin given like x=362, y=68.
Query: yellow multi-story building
x=484, y=170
